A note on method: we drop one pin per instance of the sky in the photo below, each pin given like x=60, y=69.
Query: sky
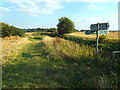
x=45, y=13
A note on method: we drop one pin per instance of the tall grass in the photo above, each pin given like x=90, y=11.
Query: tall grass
x=60, y=48
x=80, y=59
x=49, y=62
x=106, y=46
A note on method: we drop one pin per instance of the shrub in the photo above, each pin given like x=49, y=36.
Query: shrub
x=11, y=30
x=52, y=30
x=36, y=34
x=102, y=38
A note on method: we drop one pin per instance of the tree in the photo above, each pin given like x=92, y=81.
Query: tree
x=38, y=29
x=65, y=25
x=52, y=30
x=7, y=30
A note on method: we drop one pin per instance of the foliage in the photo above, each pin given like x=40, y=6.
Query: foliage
x=105, y=48
x=76, y=30
x=52, y=30
x=80, y=59
x=65, y=25
x=53, y=34
x=79, y=40
x=59, y=63
x=36, y=34
x=102, y=38
x=41, y=30
x=11, y=30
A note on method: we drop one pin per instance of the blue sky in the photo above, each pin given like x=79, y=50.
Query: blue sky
x=45, y=13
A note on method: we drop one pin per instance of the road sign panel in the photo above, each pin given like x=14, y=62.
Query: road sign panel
x=103, y=32
x=89, y=32
x=94, y=27
x=103, y=26
x=99, y=26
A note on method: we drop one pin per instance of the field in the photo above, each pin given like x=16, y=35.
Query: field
x=44, y=60
x=111, y=35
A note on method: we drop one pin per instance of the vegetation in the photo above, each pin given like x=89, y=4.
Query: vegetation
x=102, y=38
x=43, y=59
x=105, y=48
x=11, y=30
x=52, y=30
x=65, y=25
x=49, y=62
x=41, y=30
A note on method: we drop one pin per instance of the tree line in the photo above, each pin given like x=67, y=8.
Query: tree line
x=65, y=25
x=41, y=30
x=7, y=30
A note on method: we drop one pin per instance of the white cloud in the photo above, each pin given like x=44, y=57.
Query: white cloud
x=91, y=6
x=3, y=10
x=32, y=8
x=64, y=0
x=39, y=7
x=92, y=0
x=53, y=5
x=36, y=7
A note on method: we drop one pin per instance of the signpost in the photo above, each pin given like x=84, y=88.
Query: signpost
x=98, y=28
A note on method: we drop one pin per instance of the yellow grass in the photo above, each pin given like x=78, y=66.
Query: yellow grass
x=11, y=45
x=111, y=35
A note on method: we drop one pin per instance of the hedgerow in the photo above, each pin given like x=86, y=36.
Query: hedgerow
x=10, y=30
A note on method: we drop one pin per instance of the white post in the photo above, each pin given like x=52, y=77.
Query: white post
x=97, y=39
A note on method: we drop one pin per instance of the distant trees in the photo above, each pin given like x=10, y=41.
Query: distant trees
x=52, y=30
x=41, y=30
x=7, y=30
x=65, y=25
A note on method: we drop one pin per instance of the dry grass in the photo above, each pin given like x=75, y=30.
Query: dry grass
x=10, y=46
x=111, y=35
x=60, y=47
x=29, y=33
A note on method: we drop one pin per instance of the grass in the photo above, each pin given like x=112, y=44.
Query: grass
x=53, y=62
x=111, y=35
x=105, y=48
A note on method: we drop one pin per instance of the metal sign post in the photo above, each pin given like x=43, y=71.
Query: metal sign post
x=97, y=39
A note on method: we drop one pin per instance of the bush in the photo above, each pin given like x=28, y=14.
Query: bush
x=65, y=25
x=11, y=30
x=52, y=30
x=102, y=38
x=36, y=34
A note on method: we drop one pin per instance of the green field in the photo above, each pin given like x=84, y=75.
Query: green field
x=49, y=61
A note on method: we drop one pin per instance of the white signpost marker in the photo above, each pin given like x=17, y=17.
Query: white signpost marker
x=96, y=28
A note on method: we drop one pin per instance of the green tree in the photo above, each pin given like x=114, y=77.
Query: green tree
x=65, y=25
x=7, y=30
x=52, y=30
x=38, y=29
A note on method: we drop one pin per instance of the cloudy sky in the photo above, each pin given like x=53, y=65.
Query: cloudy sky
x=45, y=13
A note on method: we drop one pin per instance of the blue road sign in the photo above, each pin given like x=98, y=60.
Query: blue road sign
x=103, y=26
x=99, y=26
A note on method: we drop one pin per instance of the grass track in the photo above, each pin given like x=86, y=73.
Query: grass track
x=30, y=69
x=33, y=69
